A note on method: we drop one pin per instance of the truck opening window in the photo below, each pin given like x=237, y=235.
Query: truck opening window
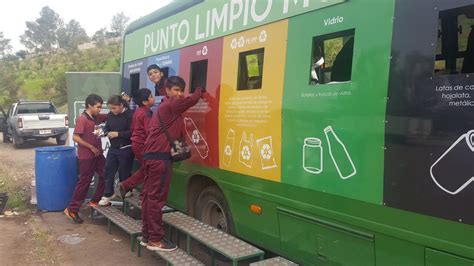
x=331, y=58
x=198, y=76
x=134, y=83
x=251, y=69
x=32, y=108
x=455, y=43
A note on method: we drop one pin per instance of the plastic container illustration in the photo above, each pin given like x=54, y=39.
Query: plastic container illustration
x=267, y=157
x=246, y=150
x=196, y=137
x=228, y=147
x=339, y=154
x=453, y=170
x=312, y=155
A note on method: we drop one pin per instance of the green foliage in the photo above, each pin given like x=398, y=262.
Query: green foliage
x=43, y=77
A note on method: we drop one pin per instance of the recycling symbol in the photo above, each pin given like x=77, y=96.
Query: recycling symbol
x=195, y=136
x=266, y=152
x=263, y=36
x=245, y=153
x=204, y=50
x=241, y=42
x=228, y=150
x=233, y=44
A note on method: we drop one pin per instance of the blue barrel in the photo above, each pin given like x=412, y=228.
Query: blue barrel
x=56, y=176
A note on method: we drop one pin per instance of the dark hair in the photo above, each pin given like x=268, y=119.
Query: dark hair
x=117, y=100
x=141, y=95
x=175, y=81
x=153, y=66
x=93, y=99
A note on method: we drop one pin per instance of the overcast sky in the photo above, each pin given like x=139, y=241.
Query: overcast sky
x=91, y=14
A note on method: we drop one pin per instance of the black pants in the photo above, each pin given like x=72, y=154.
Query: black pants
x=117, y=159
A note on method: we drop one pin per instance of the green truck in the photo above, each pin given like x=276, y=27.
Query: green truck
x=333, y=132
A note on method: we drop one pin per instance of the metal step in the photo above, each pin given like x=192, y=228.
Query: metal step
x=275, y=261
x=135, y=202
x=217, y=240
x=128, y=224
x=175, y=257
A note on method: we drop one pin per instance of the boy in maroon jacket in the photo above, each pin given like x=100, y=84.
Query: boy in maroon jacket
x=89, y=153
x=139, y=127
x=157, y=160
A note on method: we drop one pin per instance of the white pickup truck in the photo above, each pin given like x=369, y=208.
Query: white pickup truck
x=34, y=120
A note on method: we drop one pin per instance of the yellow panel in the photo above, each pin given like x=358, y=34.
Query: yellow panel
x=250, y=120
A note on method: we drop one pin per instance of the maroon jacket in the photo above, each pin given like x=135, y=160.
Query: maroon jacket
x=140, y=124
x=170, y=111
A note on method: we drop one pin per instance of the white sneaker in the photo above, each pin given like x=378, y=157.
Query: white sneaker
x=105, y=201
x=128, y=194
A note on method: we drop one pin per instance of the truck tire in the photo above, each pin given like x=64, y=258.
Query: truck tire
x=211, y=208
x=60, y=141
x=6, y=139
x=17, y=140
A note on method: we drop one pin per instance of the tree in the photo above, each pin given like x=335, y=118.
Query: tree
x=42, y=34
x=71, y=35
x=4, y=45
x=10, y=85
x=119, y=22
x=99, y=37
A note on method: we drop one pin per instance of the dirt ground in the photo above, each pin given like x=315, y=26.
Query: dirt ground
x=49, y=238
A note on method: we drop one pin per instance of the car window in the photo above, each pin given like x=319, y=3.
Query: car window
x=33, y=108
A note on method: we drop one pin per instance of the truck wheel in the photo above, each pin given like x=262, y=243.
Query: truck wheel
x=212, y=209
x=6, y=139
x=17, y=141
x=60, y=141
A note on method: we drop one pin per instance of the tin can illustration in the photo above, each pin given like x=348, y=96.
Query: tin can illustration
x=452, y=172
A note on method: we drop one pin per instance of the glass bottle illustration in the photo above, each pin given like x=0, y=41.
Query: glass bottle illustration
x=196, y=137
x=312, y=155
x=339, y=154
x=228, y=147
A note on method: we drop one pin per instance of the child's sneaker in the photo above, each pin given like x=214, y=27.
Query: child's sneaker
x=93, y=203
x=105, y=201
x=74, y=216
x=162, y=245
x=144, y=242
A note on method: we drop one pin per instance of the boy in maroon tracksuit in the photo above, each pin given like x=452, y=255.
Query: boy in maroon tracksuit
x=89, y=153
x=157, y=160
x=139, y=127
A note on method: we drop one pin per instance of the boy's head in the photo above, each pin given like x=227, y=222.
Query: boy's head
x=154, y=73
x=143, y=97
x=94, y=104
x=175, y=86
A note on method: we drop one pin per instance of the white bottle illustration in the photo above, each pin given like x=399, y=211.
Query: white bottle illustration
x=246, y=150
x=339, y=154
x=453, y=171
x=267, y=156
x=196, y=137
x=312, y=155
x=228, y=147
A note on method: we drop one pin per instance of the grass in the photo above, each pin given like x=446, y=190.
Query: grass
x=16, y=183
x=41, y=241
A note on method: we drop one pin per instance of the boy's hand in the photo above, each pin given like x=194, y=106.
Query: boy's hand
x=95, y=151
x=112, y=134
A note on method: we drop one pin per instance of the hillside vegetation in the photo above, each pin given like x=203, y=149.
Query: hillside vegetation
x=42, y=77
